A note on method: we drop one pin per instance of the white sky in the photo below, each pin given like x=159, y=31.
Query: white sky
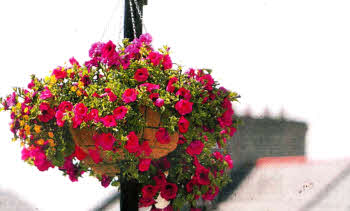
x=275, y=53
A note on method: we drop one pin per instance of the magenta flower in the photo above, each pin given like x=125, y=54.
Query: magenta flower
x=183, y=107
x=229, y=161
x=155, y=58
x=45, y=94
x=144, y=164
x=73, y=61
x=109, y=121
x=132, y=145
x=167, y=63
x=59, y=73
x=195, y=148
x=104, y=140
x=162, y=136
x=95, y=155
x=159, y=102
x=120, y=112
x=150, y=87
x=47, y=113
x=129, y=95
x=65, y=106
x=183, y=124
x=170, y=87
x=80, y=111
x=141, y=74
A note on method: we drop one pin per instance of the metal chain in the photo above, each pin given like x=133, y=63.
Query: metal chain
x=140, y=14
x=132, y=19
x=109, y=20
x=120, y=35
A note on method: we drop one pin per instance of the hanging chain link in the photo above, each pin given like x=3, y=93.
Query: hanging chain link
x=132, y=19
x=140, y=14
x=120, y=35
x=107, y=26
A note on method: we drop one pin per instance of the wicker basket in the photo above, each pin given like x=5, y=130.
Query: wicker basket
x=83, y=138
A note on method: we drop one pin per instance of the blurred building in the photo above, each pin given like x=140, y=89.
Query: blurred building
x=11, y=201
x=293, y=184
x=267, y=137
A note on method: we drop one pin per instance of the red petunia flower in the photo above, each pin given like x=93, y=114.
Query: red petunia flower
x=183, y=107
x=108, y=121
x=168, y=191
x=170, y=87
x=202, y=175
x=95, y=155
x=149, y=191
x=120, y=112
x=167, y=63
x=183, y=124
x=186, y=94
x=80, y=111
x=146, y=202
x=229, y=161
x=105, y=181
x=141, y=74
x=65, y=106
x=59, y=73
x=144, y=164
x=47, y=113
x=195, y=148
x=104, y=140
x=155, y=58
x=210, y=194
x=162, y=136
x=132, y=145
x=79, y=153
x=129, y=95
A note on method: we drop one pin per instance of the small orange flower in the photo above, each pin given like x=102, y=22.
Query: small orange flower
x=26, y=117
x=79, y=93
x=51, y=142
x=40, y=142
x=37, y=128
x=50, y=134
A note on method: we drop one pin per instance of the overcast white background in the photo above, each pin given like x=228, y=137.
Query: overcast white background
x=278, y=54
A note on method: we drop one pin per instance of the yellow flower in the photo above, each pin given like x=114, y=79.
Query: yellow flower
x=51, y=142
x=80, y=84
x=53, y=80
x=26, y=117
x=50, y=134
x=37, y=128
x=21, y=123
x=40, y=141
x=73, y=88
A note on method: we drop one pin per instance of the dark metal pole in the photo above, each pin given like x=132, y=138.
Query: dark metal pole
x=129, y=189
x=128, y=24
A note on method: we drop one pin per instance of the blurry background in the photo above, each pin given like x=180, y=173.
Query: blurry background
x=285, y=58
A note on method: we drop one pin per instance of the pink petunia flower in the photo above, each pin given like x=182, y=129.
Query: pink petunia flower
x=129, y=95
x=120, y=112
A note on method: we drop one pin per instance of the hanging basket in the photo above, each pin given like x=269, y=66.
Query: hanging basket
x=84, y=139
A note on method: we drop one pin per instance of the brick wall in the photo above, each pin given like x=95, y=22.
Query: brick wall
x=267, y=137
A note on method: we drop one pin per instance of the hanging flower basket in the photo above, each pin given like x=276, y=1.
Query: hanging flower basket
x=130, y=112
x=83, y=138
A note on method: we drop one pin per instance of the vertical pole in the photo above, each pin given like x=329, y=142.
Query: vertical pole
x=128, y=24
x=129, y=189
